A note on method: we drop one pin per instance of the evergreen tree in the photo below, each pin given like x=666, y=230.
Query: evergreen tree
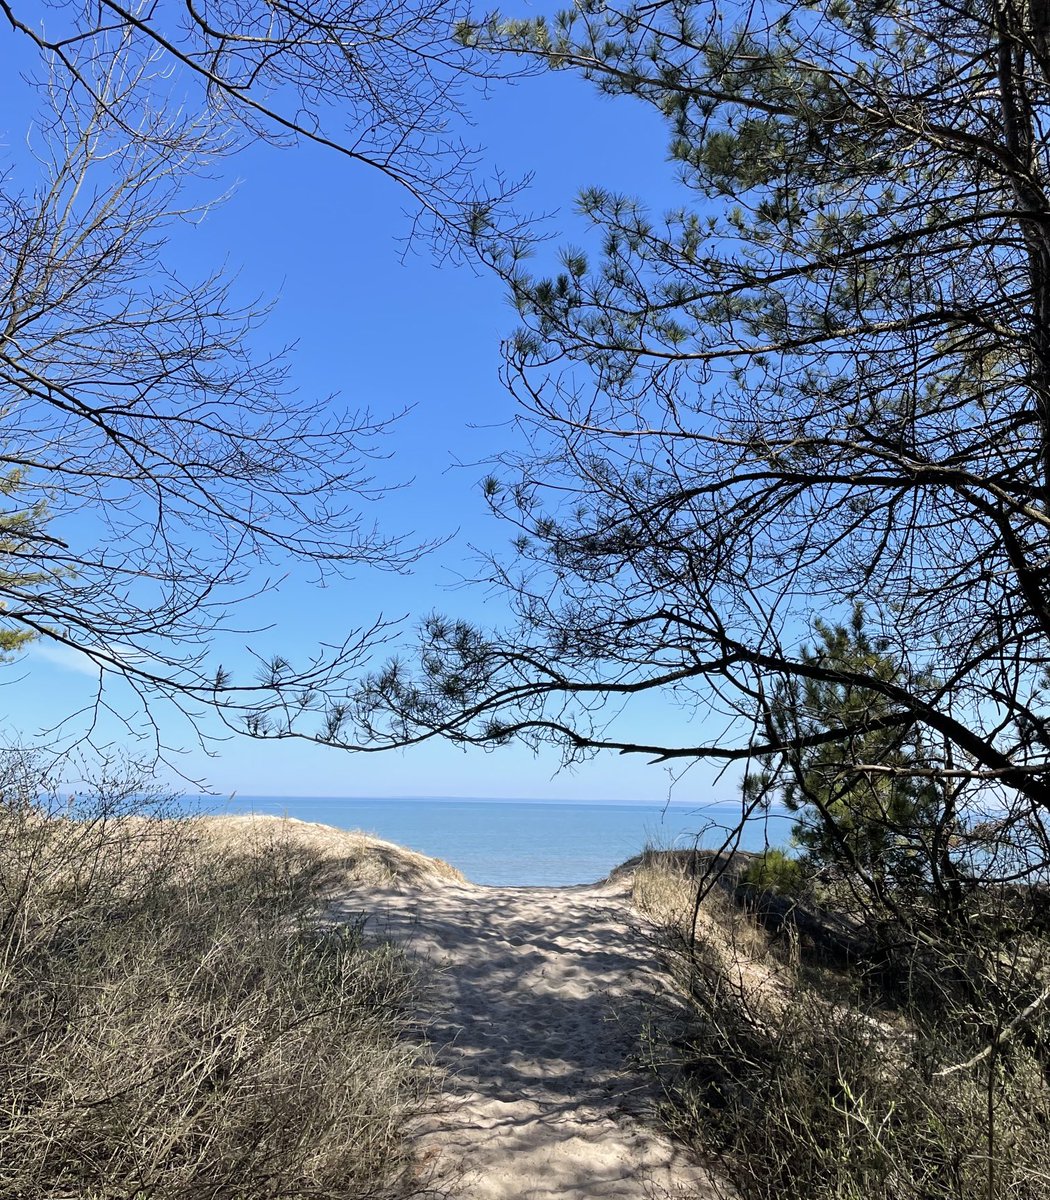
x=20, y=530
x=824, y=378
x=863, y=803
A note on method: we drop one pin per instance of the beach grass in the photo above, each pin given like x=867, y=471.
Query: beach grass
x=342, y=857
x=177, y=1022
x=804, y=1080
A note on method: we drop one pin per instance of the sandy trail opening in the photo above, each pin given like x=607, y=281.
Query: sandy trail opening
x=538, y=998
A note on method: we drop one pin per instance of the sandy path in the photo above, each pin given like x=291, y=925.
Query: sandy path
x=539, y=995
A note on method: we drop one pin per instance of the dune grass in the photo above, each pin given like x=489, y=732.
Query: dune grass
x=806, y=1081
x=176, y=1022
x=345, y=857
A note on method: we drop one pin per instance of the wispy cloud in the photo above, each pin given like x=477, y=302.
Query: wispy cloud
x=64, y=657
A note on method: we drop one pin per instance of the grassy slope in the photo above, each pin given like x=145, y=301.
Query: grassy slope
x=806, y=1082
x=355, y=859
x=176, y=1024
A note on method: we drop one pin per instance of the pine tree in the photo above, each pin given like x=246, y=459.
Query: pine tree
x=20, y=530
x=823, y=379
x=863, y=803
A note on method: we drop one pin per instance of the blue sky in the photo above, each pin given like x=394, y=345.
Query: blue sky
x=321, y=236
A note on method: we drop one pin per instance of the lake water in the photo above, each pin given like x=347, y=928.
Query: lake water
x=526, y=843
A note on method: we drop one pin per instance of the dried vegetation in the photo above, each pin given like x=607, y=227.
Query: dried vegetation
x=811, y=1079
x=177, y=1023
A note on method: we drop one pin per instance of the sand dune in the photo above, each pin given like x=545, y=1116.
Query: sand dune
x=354, y=858
x=537, y=1003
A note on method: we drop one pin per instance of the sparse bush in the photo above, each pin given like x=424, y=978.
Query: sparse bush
x=826, y=1101
x=176, y=1021
x=775, y=871
x=814, y=1084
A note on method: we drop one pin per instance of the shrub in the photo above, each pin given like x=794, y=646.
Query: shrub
x=806, y=1085
x=775, y=871
x=177, y=1023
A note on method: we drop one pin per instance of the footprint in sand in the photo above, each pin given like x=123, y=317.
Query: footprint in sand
x=539, y=999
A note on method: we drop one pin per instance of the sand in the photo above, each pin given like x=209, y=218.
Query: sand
x=537, y=1002
x=351, y=858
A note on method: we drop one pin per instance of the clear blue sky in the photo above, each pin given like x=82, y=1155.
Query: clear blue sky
x=321, y=235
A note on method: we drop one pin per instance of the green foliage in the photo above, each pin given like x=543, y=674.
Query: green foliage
x=776, y=871
x=823, y=376
x=19, y=532
x=862, y=797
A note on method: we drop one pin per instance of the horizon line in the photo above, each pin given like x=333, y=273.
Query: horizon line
x=648, y=803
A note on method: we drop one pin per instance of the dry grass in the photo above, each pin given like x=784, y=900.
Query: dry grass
x=350, y=858
x=802, y=1092
x=175, y=1023
x=736, y=949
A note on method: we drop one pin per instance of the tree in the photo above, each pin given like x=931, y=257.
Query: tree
x=175, y=460
x=865, y=786
x=375, y=83
x=19, y=530
x=870, y=806
x=823, y=379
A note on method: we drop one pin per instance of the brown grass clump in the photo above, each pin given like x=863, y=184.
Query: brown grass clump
x=176, y=1024
x=806, y=1083
x=737, y=949
x=350, y=858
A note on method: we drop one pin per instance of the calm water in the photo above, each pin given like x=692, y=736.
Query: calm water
x=522, y=843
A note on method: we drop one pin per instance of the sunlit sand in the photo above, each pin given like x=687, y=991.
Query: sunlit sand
x=538, y=999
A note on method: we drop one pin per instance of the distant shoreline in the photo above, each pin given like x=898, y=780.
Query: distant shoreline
x=691, y=805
